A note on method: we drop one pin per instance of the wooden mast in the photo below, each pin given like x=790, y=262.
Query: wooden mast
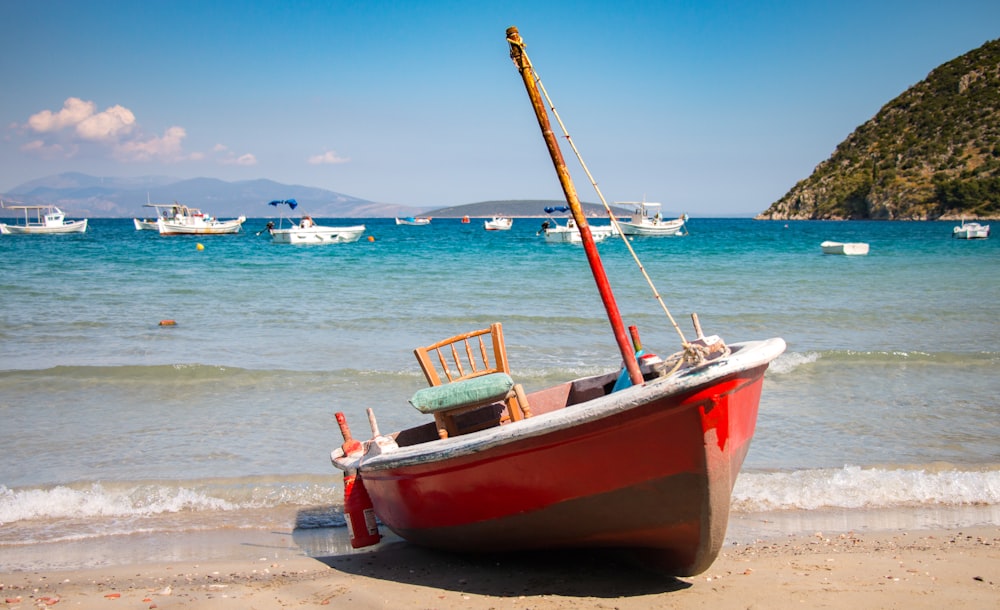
x=590, y=247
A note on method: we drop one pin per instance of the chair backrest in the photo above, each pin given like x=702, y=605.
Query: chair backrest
x=464, y=356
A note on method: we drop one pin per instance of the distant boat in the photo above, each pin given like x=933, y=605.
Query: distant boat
x=569, y=233
x=182, y=220
x=410, y=220
x=307, y=232
x=971, y=230
x=647, y=221
x=850, y=249
x=499, y=223
x=41, y=219
x=150, y=224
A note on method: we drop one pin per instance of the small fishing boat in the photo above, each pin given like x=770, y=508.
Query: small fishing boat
x=498, y=223
x=307, y=232
x=182, y=220
x=971, y=230
x=41, y=219
x=569, y=233
x=647, y=220
x=850, y=248
x=641, y=458
x=412, y=220
x=162, y=210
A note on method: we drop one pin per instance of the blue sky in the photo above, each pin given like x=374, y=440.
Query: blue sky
x=712, y=108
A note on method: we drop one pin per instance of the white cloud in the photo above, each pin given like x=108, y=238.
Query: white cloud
x=108, y=125
x=166, y=148
x=73, y=112
x=328, y=158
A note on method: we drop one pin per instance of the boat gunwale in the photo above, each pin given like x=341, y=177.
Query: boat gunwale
x=746, y=356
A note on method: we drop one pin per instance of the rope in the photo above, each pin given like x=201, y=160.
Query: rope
x=691, y=350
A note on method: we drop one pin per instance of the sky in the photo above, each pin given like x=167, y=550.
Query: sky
x=712, y=108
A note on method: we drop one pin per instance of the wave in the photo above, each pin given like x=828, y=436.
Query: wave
x=856, y=487
x=115, y=500
x=790, y=361
x=847, y=487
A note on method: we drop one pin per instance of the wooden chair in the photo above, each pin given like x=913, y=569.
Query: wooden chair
x=466, y=372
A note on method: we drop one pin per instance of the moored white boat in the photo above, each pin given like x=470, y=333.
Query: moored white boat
x=182, y=220
x=647, y=221
x=42, y=219
x=498, y=223
x=850, y=248
x=569, y=233
x=308, y=233
x=971, y=230
x=163, y=210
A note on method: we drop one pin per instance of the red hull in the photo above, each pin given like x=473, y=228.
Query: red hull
x=652, y=473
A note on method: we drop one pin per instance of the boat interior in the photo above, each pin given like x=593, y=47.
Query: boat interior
x=470, y=388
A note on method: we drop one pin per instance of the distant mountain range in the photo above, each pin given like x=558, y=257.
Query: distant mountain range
x=83, y=196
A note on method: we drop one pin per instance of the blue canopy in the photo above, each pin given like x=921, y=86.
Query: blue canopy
x=561, y=208
x=291, y=203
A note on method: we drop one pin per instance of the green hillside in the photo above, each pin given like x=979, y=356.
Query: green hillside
x=931, y=153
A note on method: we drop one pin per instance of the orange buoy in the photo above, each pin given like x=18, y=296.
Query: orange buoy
x=371, y=238
x=168, y=323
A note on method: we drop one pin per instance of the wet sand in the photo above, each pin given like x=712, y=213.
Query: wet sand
x=892, y=569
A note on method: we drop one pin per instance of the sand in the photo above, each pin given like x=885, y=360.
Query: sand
x=894, y=569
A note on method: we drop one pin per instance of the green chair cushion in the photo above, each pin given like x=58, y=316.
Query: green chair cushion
x=478, y=390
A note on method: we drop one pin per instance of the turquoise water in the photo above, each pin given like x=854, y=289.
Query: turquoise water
x=887, y=395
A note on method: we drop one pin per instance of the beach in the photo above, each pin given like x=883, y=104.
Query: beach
x=890, y=569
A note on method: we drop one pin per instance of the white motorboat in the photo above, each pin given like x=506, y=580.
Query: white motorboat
x=569, y=233
x=42, y=219
x=499, y=223
x=971, y=230
x=307, y=232
x=850, y=249
x=410, y=220
x=182, y=220
x=647, y=220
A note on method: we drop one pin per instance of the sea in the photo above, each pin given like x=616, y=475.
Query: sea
x=151, y=385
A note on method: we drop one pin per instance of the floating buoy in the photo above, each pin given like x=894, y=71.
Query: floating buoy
x=371, y=238
x=200, y=247
x=168, y=323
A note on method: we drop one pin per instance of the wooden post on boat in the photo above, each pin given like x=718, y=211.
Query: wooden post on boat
x=590, y=247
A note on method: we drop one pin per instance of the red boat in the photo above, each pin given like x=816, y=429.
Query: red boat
x=642, y=458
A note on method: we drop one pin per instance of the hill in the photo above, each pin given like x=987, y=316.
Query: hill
x=519, y=208
x=931, y=153
x=81, y=195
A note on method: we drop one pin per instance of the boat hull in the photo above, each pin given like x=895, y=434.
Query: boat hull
x=71, y=226
x=560, y=234
x=317, y=235
x=849, y=249
x=649, y=469
x=971, y=231
x=498, y=224
x=187, y=227
x=653, y=229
